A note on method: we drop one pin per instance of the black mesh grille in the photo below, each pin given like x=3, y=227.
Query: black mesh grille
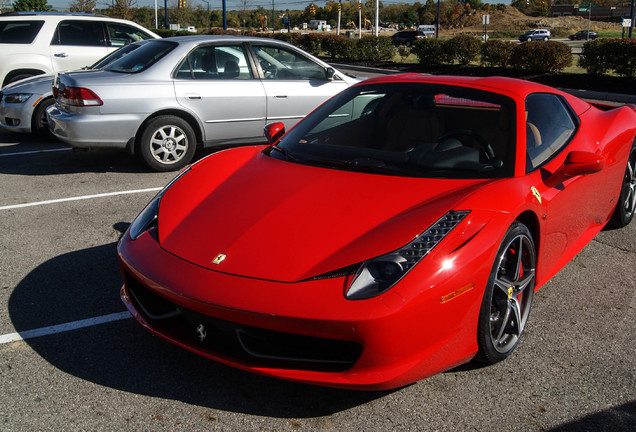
x=249, y=345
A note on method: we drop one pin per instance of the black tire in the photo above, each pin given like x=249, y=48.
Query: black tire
x=508, y=296
x=626, y=206
x=167, y=143
x=39, y=122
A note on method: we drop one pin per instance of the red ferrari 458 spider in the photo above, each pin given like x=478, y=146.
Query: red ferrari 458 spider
x=399, y=230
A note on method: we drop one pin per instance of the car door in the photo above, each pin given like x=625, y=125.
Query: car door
x=572, y=206
x=78, y=43
x=294, y=84
x=217, y=84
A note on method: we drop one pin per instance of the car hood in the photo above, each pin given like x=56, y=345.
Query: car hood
x=277, y=220
x=39, y=83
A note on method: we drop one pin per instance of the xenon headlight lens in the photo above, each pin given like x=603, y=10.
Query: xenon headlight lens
x=16, y=97
x=150, y=215
x=378, y=275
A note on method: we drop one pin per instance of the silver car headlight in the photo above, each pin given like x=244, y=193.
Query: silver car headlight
x=378, y=275
x=16, y=98
x=149, y=216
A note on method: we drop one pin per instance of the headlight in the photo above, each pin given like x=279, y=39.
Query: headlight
x=150, y=215
x=16, y=97
x=380, y=274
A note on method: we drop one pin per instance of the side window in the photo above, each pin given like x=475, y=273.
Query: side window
x=549, y=127
x=122, y=34
x=215, y=62
x=19, y=32
x=79, y=33
x=283, y=64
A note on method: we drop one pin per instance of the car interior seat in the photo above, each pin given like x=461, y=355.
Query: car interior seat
x=412, y=121
x=231, y=70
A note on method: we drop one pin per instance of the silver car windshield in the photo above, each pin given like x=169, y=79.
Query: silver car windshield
x=408, y=129
x=142, y=58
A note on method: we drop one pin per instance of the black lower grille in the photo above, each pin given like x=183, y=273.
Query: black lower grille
x=250, y=345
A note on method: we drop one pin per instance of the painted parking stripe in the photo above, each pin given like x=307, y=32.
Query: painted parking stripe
x=61, y=328
x=79, y=198
x=36, y=151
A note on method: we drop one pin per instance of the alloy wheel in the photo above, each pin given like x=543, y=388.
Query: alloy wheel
x=512, y=293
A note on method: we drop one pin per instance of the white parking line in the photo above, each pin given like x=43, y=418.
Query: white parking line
x=61, y=328
x=35, y=151
x=85, y=197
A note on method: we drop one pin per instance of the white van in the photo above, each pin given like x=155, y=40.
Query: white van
x=428, y=30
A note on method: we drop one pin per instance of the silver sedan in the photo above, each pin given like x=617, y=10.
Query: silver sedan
x=23, y=103
x=174, y=94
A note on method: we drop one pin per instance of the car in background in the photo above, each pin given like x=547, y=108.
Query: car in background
x=23, y=103
x=34, y=43
x=583, y=35
x=535, y=35
x=399, y=230
x=172, y=95
x=407, y=37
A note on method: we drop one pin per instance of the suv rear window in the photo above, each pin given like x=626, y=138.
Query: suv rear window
x=19, y=32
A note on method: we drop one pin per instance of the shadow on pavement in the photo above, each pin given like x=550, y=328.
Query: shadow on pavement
x=122, y=355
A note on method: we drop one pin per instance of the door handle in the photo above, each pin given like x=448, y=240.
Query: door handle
x=281, y=96
x=61, y=55
x=192, y=96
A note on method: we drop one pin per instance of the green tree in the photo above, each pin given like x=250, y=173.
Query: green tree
x=31, y=5
x=82, y=5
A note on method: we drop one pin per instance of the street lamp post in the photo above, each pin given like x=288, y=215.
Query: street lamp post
x=208, y=3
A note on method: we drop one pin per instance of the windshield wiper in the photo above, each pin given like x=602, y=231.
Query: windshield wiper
x=288, y=155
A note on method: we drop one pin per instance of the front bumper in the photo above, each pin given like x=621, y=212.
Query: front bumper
x=305, y=331
x=94, y=130
x=16, y=117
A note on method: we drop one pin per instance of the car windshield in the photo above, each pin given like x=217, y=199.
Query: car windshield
x=142, y=58
x=114, y=56
x=407, y=129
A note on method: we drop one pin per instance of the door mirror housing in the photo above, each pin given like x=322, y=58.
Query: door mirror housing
x=576, y=163
x=330, y=73
x=274, y=132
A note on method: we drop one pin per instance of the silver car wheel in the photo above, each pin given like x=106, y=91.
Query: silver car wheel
x=168, y=143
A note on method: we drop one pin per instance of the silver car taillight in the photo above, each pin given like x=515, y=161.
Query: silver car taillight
x=77, y=96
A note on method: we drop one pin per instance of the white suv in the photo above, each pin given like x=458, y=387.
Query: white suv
x=34, y=43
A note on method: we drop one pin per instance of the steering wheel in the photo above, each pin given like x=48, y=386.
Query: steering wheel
x=475, y=141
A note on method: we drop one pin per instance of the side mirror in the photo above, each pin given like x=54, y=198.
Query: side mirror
x=274, y=132
x=330, y=73
x=576, y=163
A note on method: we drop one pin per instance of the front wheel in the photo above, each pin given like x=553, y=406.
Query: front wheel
x=39, y=121
x=168, y=143
x=624, y=212
x=508, y=296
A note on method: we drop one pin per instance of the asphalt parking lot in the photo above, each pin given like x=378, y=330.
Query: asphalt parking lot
x=72, y=359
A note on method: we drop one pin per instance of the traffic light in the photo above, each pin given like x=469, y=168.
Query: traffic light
x=182, y=3
x=312, y=9
x=359, y=5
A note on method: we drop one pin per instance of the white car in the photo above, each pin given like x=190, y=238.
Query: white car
x=34, y=43
x=172, y=95
x=23, y=103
